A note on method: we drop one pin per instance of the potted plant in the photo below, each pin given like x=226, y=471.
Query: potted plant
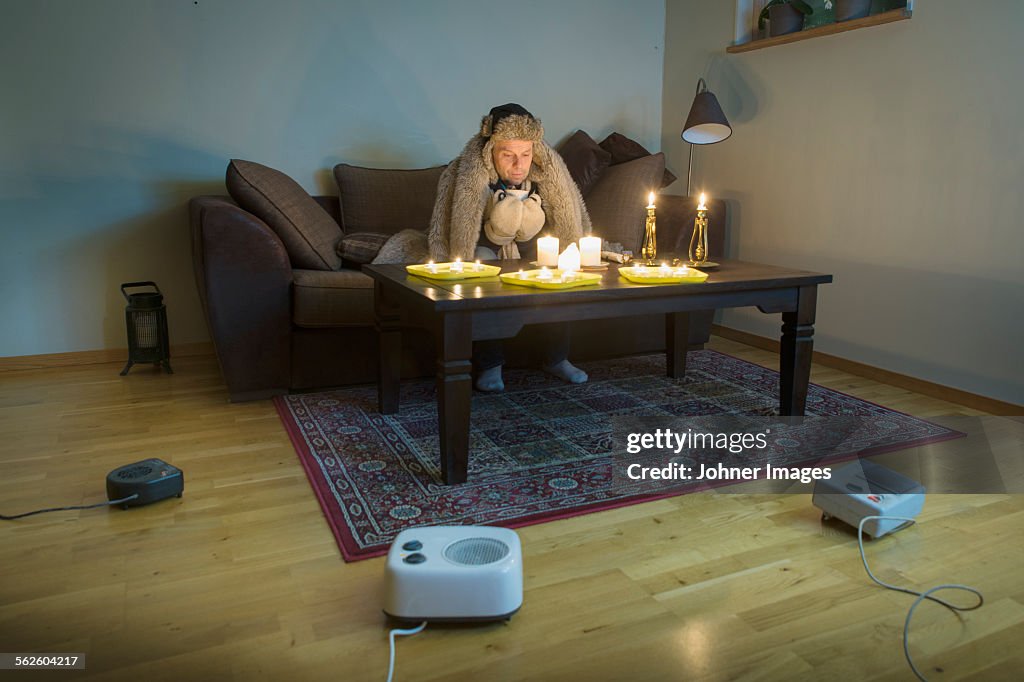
x=785, y=16
x=851, y=9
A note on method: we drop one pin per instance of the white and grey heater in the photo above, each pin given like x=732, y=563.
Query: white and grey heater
x=454, y=574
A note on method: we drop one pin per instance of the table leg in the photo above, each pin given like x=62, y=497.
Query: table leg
x=795, y=353
x=454, y=394
x=387, y=321
x=677, y=338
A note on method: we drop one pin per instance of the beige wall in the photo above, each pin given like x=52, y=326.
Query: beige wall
x=892, y=157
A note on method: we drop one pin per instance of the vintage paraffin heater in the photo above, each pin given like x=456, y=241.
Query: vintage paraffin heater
x=146, y=320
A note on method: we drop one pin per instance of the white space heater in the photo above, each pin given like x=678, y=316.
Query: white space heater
x=863, y=488
x=454, y=573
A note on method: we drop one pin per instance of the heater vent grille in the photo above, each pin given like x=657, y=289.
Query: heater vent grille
x=147, y=328
x=476, y=551
x=135, y=472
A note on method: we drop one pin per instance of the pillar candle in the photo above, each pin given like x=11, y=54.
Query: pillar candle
x=569, y=261
x=590, y=251
x=547, y=251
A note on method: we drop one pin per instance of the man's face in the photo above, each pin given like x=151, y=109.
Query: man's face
x=512, y=159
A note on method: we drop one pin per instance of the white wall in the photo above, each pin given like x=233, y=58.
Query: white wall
x=891, y=156
x=114, y=112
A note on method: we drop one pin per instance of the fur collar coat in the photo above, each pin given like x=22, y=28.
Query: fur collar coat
x=464, y=191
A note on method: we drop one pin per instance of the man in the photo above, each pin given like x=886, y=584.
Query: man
x=493, y=201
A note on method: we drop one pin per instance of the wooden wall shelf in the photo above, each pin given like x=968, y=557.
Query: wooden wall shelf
x=825, y=30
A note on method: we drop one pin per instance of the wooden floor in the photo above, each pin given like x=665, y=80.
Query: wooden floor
x=241, y=579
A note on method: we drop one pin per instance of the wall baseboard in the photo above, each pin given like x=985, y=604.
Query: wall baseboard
x=928, y=388
x=94, y=357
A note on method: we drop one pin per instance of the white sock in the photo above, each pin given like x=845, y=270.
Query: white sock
x=566, y=371
x=490, y=381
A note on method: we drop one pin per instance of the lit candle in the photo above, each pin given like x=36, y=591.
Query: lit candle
x=641, y=269
x=431, y=267
x=522, y=275
x=569, y=261
x=544, y=274
x=665, y=270
x=547, y=251
x=702, y=207
x=477, y=266
x=590, y=251
x=457, y=265
x=649, y=245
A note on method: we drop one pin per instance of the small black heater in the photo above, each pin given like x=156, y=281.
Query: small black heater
x=139, y=483
x=146, y=319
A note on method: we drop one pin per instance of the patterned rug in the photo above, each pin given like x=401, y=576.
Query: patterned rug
x=545, y=450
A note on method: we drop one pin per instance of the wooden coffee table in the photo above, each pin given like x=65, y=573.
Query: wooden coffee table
x=458, y=313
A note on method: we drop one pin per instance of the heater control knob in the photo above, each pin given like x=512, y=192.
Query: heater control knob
x=416, y=558
x=413, y=546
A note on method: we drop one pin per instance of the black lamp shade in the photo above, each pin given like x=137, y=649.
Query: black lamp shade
x=706, y=123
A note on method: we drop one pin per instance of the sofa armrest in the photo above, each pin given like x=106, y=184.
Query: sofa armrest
x=675, y=225
x=244, y=278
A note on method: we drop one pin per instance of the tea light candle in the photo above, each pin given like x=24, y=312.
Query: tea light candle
x=641, y=269
x=477, y=266
x=457, y=265
x=665, y=270
x=544, y=275
x=590, y=251
x=547, y=251
x=431, y=267
x=522, y=275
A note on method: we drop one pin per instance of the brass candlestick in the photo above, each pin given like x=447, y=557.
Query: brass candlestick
x=699, y=240
x=649, y=251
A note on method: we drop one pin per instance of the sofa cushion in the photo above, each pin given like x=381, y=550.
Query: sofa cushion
x=617, y=203
x=585, y=159
x=384, y=200
x=624, y=149
x=361, y=248
x=307, y=230
x=322, y=298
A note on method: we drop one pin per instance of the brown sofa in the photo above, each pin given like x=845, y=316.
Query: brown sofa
x=286, y=315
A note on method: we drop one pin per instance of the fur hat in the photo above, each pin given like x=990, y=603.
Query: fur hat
x=511, y=122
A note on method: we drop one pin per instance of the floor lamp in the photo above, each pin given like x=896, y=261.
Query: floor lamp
x=706, y=124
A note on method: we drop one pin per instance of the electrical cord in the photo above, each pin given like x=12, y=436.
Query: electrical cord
x=921, y=596
x=391, y=639
x=83, y=506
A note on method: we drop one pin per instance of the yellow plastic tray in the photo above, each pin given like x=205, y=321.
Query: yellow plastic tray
x=529, y=278
x=444, y=271
x=652, y=275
